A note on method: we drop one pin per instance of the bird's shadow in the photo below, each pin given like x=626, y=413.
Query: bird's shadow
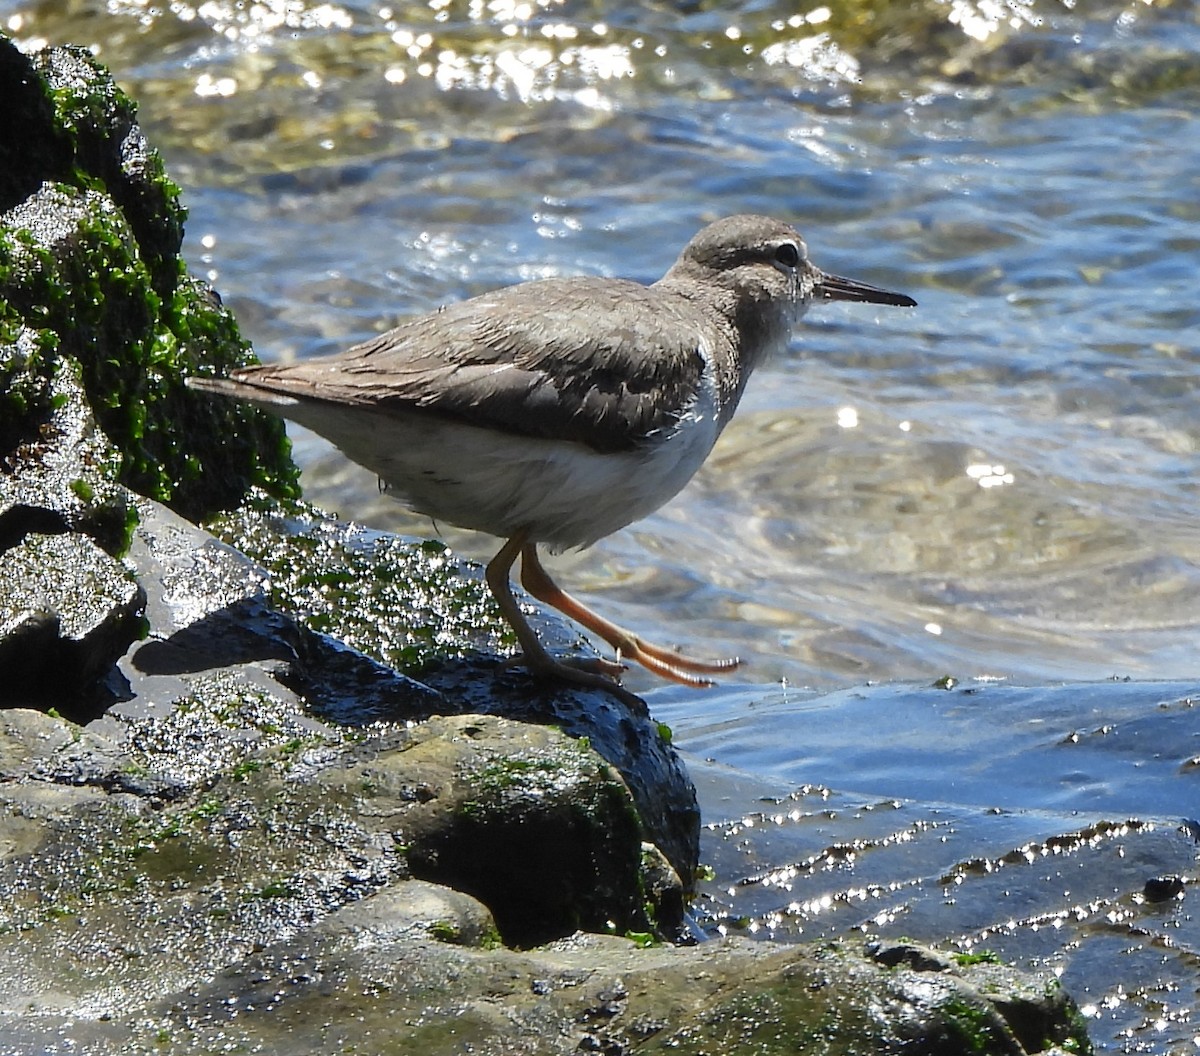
x=344, y=687
x=337, y=683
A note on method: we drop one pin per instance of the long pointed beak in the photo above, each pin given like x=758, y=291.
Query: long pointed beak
x=835, y=288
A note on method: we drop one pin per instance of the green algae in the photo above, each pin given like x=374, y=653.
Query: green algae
x=25, y=395
x=972, y=1027
x=965, y=960
x=90, y=272
x=70, y=267
x=97, y=123
x=404, y=603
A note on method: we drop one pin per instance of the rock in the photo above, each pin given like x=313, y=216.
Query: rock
x=94, y=276
x=70, y=609
x=1162, y=888
x=33, y=145
x=413, y=606
x=562, y=816
x=60, y=633
x=99, y=122
x=59, y=479
x=988, y=1006
x=24, y=388
x=531, y=823
x=99, y=324
x=71, y=268
x=272, y=906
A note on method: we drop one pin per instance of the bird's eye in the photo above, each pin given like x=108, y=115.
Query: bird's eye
x=787, y=254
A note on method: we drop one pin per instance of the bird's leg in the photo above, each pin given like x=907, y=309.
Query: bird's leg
x=600, y=675
x=664, y=662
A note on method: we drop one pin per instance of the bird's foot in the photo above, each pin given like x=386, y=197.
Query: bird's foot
x=595, y=673
x=609, y=669
x=628, y=646
x=669, y=664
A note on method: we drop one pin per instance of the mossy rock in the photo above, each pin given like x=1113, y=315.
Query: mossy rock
x=90, y=272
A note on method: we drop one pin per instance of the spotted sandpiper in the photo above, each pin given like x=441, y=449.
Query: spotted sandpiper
x=560, y=410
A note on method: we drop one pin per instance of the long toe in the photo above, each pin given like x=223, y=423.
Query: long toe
x=598, y=666
x=593, y=673
x=660, y=659
x=673, y=672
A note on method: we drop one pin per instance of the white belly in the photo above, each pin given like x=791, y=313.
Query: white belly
x=566, y=494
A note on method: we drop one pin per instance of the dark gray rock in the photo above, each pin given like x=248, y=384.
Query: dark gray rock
x=70, y=612
x=60, y=478
x=533, y=825
x=33, y=147
x=274, y=908
x=70, y=608
x=413, y=604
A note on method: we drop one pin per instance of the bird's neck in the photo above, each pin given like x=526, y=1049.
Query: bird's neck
x=744, y=331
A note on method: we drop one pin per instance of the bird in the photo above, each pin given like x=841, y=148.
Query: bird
x=557, y=411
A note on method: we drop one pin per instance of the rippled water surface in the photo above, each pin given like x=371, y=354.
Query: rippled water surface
x=999, y=484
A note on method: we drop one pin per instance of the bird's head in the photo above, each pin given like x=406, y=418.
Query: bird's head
x=762, y=265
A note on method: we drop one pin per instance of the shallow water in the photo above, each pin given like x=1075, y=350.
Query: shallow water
x=1051, y=827
x=1001, y=483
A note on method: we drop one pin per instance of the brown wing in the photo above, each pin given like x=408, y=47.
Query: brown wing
x=604, y=362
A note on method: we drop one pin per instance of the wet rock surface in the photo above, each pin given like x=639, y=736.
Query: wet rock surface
x=295, y=801
x=62, y=632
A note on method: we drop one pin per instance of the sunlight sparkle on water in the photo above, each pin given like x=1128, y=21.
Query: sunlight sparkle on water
x=989, y=476
x=529, y=71
x=240, y=21
x=979, y=19
x=207, y=85
x=414, y=44
x=817, y=56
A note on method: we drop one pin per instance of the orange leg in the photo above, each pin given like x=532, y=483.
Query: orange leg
x=664, y=662
x=600, y=674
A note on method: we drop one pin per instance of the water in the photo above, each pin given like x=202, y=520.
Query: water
x=1040, y=825
x=1000, y=484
